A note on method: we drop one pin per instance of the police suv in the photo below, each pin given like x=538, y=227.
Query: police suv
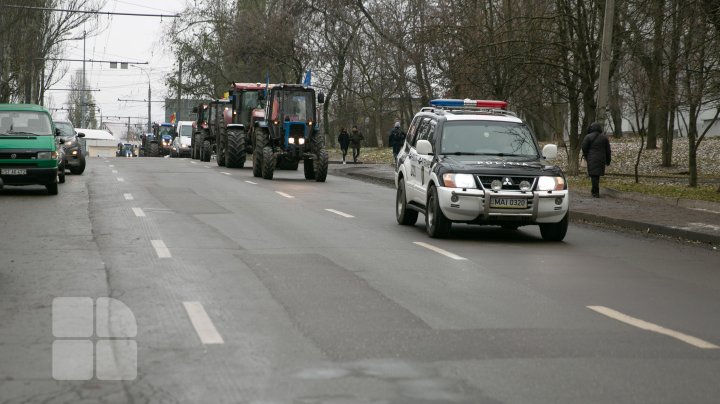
x=475, y=162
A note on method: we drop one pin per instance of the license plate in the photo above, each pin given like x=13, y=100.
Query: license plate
x=508, y=203
x=13, y=171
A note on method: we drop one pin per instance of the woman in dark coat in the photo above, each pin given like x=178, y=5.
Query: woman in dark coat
x=344, y=140
x=596, y=151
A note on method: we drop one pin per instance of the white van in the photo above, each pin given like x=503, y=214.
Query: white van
x=183, y=140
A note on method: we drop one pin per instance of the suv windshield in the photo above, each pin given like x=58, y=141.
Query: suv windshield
x=25, y=123
x=487, y=138
x=66, y=129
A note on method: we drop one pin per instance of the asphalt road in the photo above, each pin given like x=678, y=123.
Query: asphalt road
x=290, y=291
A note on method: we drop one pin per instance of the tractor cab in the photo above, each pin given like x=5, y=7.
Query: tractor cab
x=291, y=115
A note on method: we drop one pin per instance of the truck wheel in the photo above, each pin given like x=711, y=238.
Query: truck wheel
x=436, y=224
x=52, y=188
x=309, y=166
x=236, y=154
x=61, y=174
x=268, y=163
x=154, y=150
x=554, y=231
x=404, y=216
x=320, y=164
x=258, y=155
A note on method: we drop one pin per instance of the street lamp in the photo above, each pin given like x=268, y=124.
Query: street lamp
x=149, y=123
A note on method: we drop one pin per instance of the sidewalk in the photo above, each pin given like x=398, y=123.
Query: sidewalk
x=672, y=217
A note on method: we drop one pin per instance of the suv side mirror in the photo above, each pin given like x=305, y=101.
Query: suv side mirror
x=321, y=98
x=57, y=132
x=424, y=147
x=80, y=135
x=549, y=151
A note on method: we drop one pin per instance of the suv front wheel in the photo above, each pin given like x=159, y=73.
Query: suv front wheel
x=436, y=224
x=403, y=215
x=554, y=231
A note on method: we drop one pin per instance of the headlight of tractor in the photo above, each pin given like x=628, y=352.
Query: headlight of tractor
x=551, y=184
x=459, y=180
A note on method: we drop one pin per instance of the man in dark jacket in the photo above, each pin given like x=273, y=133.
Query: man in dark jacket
x=356, y=138
x=396, y=140
x=344, y=140
x=596, y=151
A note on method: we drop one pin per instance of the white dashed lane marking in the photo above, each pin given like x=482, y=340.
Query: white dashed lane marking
x=138, y=212
x=121, y=179
x=202, y=323
x=644, y=325
x=250, y=182
x=206, y=166
x=160, y=248
x=193, y=162
x=111, y=166
x=440, y=251
x=114, y=171
x=225, y=172
x=284, y=194
x=337, y=212
x=128, y=197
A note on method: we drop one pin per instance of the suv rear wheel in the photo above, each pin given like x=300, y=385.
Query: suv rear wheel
x=436, y=224
x=403, y=215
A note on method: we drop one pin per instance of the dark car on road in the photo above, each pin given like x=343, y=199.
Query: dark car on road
x=72, y=144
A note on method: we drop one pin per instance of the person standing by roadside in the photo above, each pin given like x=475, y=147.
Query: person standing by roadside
x=396, y=140
x=356, y=138
x=344, y=140
x=596, y=151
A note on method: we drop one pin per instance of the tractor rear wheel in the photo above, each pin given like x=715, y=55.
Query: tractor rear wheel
x=205, y=151
x=268, y=163
x=235, y=149
x=219, y=152
x=321, y=165
x=154, y=150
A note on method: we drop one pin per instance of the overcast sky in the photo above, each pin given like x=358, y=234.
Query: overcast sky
x=124, y=38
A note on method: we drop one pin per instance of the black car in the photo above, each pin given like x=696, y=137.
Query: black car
x=74, y=151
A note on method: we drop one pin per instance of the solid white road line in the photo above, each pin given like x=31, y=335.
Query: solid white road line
x=121, y=179
x=160, y=248
x=128, y=197
x=225, y=172
x=114, y=171
x=636, y=322
x=440, y=251
x=204, y=326
x=138, y=212
x=337, y=212
x=284, y=194
x=250, y=182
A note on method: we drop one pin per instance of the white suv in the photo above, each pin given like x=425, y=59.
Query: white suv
x=472, y=161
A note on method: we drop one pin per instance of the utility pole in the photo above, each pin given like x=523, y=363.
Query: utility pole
x=179, y=86
x=605, y=58
x=82, y=94
x=149, y=128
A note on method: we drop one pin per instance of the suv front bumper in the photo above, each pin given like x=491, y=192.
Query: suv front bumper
x=473, y=205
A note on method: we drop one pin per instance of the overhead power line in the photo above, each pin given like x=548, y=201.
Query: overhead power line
x=95, y=12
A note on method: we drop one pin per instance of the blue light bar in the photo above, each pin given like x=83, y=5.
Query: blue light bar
x=450, y=102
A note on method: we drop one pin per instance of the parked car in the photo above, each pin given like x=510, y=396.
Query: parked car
x=70, y=139
x=28, y=147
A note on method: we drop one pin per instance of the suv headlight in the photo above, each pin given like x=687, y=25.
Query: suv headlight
x=453, y=180
x=551, y=183
x=47, y=155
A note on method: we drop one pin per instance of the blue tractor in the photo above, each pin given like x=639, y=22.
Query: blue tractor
x=289, y=133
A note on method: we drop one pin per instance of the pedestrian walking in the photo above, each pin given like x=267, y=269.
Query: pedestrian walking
x=356, y=139
x=344, y=140
x=596, y=152
x=396, y=140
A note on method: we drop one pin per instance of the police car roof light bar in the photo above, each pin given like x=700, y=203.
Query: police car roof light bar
x=457, y=103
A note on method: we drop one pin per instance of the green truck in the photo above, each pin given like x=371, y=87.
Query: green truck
x=28, y=147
